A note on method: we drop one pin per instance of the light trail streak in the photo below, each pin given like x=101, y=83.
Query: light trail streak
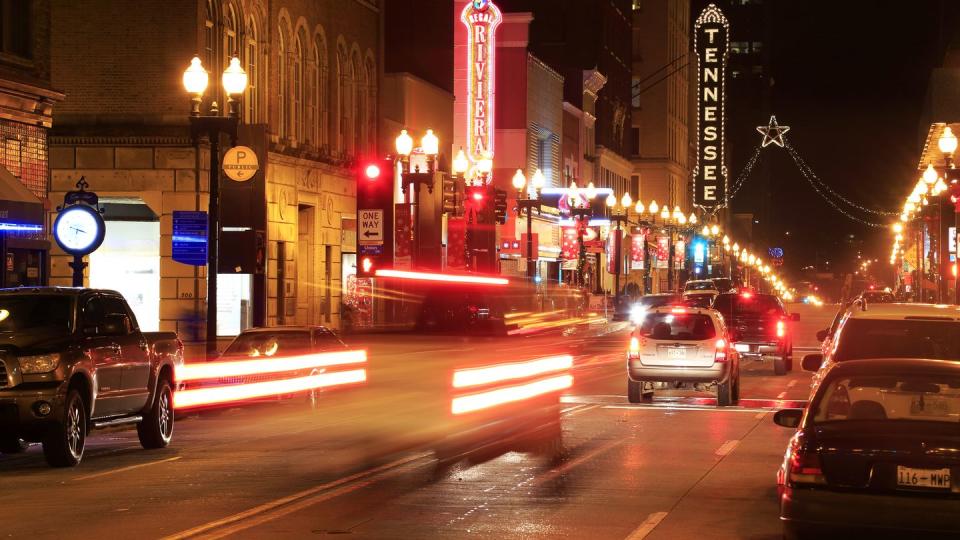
x=197, y=397
x=448, y=278
x=502, y=372
x=236, y=368
x=510, y=394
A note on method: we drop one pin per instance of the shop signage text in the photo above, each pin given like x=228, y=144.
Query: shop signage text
x=710, y=36
x=481, y=17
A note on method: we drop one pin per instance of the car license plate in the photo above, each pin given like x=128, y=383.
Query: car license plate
x=908, y=477
x=676, y=352
x=741, y=347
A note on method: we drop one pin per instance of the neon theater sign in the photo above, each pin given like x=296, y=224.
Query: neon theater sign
x=481, y=17
x=711, y=42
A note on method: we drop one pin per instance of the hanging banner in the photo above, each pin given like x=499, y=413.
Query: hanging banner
x=679, y=255
x=613, y=247
x=456, y=242
x=710, y=42
x=404, y=232
x=663, y=251
x=569, y=246
x=481, y=17
x=637, y=244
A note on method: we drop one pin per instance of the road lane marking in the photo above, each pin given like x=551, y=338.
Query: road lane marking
x=685, y=408
x=761, y=415
x=782, y=395
x=125, y=469
x=582, y=409
x=727, y=447
x=248, y=516
x=792, y=383
x=647, y=526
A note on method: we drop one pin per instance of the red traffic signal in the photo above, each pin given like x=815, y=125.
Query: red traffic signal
x=372, y=171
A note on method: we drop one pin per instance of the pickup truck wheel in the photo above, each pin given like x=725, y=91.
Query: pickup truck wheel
x=156, y=429
x=12, y=445
x=779, y=366
x=63, y=444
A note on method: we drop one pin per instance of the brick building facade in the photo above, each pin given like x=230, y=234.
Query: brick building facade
x=310, y=110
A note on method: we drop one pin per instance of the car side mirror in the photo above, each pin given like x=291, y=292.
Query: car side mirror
x=812, y=362
x=788, y=418
x=822, y=335
x=794, y=317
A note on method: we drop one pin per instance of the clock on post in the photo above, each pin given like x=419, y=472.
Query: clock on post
x=79, y=228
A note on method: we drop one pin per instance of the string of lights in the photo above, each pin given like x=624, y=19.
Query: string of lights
x=747, y=169
x=807, y=175
x=808, y=171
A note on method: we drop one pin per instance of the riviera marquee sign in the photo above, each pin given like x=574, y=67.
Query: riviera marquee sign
x=711, y=38
x=481, y=18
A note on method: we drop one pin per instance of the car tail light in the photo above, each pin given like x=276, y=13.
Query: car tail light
x=634, y=345
x=721, y=354
x=781, y=329
x=804, y=466
x=678, y=310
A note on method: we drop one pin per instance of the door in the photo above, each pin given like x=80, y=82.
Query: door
x=135, y=356
x=107, y=366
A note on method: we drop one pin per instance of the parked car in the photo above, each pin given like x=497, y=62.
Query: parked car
x=645, y=303
x=877, y=451
x=701, y=285
x=761, y=327
x=723, y=284
x=72, y=360
x=699, y=299
x=891, y=331
x=678, y=347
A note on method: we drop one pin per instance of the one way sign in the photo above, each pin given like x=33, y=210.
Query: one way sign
x=370, y=230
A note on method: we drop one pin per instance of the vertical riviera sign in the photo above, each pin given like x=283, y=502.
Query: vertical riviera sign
x=481, y=18
x=710, y=41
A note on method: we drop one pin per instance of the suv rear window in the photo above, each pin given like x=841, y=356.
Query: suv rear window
x=872, y=338
x=748, y=304
x=678, y=327
x=699, y=286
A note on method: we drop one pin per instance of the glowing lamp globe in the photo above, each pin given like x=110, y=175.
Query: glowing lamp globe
x=195, y=78
x=626, y=201
x=611, y=200
x=430, y=143
x=947, y=141
x=639, y=208
x=404, y=143
x=591, y=191
x=930, y=175
x=539, y=180
x=234, y=78
x=519, y=180
x=654, y=208
x=460, y=163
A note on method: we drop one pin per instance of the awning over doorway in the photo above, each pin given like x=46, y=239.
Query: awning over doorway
x=18, y=205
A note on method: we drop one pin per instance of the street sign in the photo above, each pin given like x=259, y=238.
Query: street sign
x=370, y=227
x=190, y=237
x=240, y=163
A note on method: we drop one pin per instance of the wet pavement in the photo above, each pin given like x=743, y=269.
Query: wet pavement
x=362, y=464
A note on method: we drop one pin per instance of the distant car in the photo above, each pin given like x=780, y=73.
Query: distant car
x=645, y=303
x=699, y=299
x=875, y=452
x=876, y=297
x=761, y=327
x=280, y=341
x=891, y=331
x=701, y=285
x=680, y=346
x=723, y=284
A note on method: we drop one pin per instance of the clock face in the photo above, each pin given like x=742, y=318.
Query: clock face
x=78, y=230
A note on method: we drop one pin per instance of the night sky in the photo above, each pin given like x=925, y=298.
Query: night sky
x=850, y=79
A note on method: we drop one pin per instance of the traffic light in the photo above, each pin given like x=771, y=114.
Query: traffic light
x=375, y=216
x=500, y=206
x=452, y=196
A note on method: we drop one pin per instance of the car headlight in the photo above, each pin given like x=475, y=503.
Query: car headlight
x=43, y=363
x=637, y=313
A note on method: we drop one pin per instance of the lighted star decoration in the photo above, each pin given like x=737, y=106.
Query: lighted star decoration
x=773, y=133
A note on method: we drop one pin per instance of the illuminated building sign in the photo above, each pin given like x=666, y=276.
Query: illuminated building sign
x=481, y=18
x=710, y=39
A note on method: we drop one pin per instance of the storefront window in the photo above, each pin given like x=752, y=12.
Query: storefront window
x=234, y=304
x=128, y=262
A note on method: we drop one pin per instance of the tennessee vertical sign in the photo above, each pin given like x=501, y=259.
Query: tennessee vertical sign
x=710, y=41
x=481, y=18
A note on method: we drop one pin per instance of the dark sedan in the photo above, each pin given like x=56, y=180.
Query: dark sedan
x=877, y=451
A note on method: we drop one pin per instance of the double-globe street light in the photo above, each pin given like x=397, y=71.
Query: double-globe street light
x=529, y=202
x=195, y=81
x=411, y=180
x=625, y=203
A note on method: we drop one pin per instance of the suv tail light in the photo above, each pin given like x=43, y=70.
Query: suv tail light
x=781, y=328
x=721, y=354
x=634, y=345
x=804, y=466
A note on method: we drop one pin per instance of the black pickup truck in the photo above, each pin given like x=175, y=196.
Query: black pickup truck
x=761, y=327
x=72, y=360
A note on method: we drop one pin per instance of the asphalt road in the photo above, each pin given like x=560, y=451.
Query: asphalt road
x=362, y=463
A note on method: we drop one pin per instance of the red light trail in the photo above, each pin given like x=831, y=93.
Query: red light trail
x=447, y=278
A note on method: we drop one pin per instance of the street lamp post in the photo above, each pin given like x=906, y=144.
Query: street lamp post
x=430, y=147
x=947, y=143
x=213, y=125
x=529, y=203
x=581, y=212
x=625, y=203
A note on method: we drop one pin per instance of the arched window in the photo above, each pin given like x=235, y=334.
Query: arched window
x=298, y=122
x=358, y=88
x=371, y=105
x=322, y=94
x=282, y=111
x=231, y=43
x=344, y=84
x=210, y=38
x=251, y=103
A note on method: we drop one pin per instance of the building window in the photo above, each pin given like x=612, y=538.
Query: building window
x=344, y=82
x=371, y=96
x=252, y=107
x=635, y=140
x=739, y=47
x=298, y=90
x=231, y=44
x=209, y=40
x=16, y=25
x=635, y=93
x=284, y=87
x=320, y=93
